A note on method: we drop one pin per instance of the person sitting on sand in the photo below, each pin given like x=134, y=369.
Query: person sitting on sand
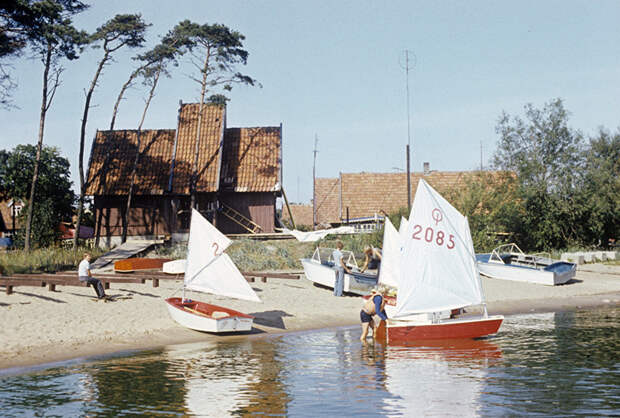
x=340, y=267
x=375, y=305
x=372, y=260
x=85, y=276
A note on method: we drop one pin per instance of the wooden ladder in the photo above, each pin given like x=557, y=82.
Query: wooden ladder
x=239, y=219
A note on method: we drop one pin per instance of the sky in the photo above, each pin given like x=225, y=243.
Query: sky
x=335, y=71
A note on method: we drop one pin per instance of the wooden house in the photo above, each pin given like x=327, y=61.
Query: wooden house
x=9, y=217
x=238, y=176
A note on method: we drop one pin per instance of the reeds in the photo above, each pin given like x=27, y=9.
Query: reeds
x=44, y=260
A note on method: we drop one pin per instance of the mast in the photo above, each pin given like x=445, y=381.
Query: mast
x=316, y=141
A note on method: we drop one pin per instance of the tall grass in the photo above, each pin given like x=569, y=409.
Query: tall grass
x=283, y=254
x=43, y=260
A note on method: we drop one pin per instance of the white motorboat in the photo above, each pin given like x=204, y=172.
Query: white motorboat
x=508, y=262
x=320, y=270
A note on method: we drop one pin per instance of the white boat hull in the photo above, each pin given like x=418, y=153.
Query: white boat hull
x=326, y=276
x=525, y=274
x=202, y=316
x=174, y=267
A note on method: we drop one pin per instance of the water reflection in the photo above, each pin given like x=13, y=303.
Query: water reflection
x=224, y=379
x=457, y=369
x=542, y=364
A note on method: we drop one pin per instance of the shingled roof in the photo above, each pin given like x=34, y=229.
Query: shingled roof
x=112, y=157
x=211, y=136
x=302, y=214
x=327, y=200
x=251, y=160
x=367, y=194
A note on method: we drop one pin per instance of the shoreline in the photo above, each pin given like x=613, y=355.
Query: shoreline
x=42, y=328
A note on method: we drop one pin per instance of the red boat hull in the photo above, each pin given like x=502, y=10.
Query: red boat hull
x=130, y=265
x=403, y=331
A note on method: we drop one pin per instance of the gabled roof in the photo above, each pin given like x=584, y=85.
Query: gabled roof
x=367, y=194
x=211, y=135
x=251, y=160
x=113, y=155
x=327, y=200
x=302, y=214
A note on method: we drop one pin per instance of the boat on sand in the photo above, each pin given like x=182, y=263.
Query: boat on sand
x=320, y=269
x=508, y=262
x=438, y=277
x=210, y=270
x=129, y=265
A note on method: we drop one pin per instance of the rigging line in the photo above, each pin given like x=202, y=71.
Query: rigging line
x=198, y=272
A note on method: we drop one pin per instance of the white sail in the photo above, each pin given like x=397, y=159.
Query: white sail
x=402, y=229
x=223, y=278
x=390, y=255
x=438, y=267
x=208, y=269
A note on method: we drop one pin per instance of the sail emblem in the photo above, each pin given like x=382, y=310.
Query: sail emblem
x=437, y=216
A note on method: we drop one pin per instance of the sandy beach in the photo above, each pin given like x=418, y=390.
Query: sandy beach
x=40, y=326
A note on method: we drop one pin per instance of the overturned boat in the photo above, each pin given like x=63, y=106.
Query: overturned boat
x=508, y=262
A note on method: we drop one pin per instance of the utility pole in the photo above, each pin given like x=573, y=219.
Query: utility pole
x=316, y=141
x=407, y=68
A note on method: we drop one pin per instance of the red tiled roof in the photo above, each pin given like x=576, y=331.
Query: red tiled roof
x=112, y=157
x=251, y=160
x=367, y=194
x=327, y=200
x=211, y=135
x=302, y=214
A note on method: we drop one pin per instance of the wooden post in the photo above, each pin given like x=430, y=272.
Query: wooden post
x=288, y=208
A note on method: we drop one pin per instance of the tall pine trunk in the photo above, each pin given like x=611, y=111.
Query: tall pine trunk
x=136, y=161
x=35, y=174
x=89, y=96
x=203, y=92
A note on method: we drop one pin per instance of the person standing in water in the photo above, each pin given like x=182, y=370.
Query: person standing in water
x=375, y=305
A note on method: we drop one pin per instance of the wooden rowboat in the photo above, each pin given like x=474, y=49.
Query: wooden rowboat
x=201, y=316
x=133, y=264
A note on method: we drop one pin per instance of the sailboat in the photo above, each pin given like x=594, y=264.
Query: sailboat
x=438, y=274
x=208, y=269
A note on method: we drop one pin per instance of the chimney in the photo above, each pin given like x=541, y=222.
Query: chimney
x=427, y=168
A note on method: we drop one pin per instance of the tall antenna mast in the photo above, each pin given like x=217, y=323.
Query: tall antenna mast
x=407, y=66
x=316, y=141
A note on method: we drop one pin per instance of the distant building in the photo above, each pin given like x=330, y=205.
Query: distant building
x=238, y=179
x=9, y=217
x=363, y=199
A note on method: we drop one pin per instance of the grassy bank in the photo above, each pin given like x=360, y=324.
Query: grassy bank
x=254, y=255
x=44, y=260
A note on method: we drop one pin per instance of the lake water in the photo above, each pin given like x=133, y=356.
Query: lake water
x=553, y=364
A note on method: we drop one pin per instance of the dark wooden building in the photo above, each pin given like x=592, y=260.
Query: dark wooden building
x=238, y=176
